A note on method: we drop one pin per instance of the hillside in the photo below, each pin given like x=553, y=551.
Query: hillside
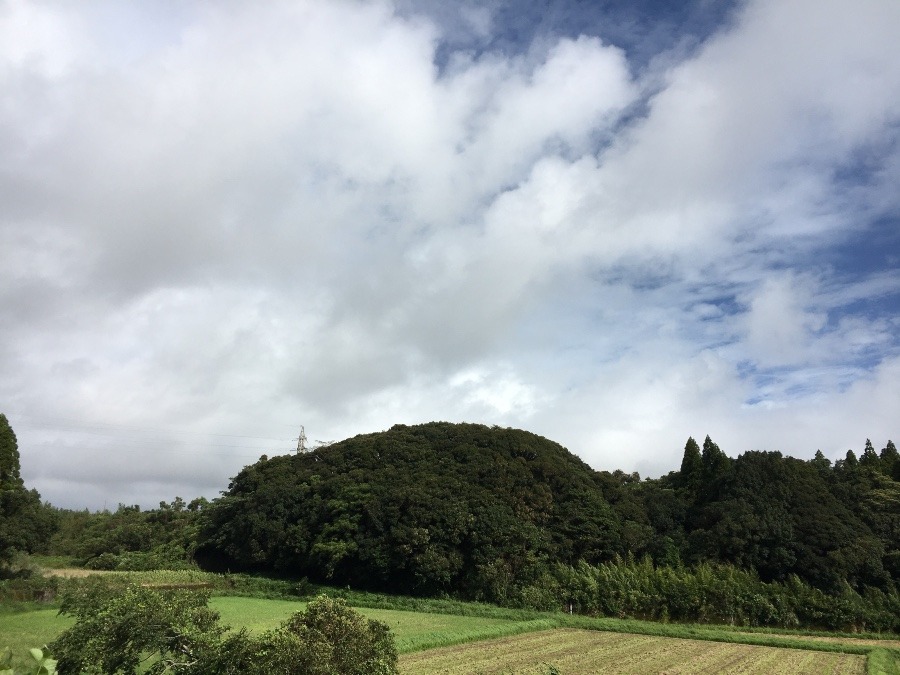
x=431, y=508
x=507, y=516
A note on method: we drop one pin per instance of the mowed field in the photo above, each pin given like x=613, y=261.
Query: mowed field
x=576, y=652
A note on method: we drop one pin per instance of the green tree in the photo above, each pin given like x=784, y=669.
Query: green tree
x=870, y=458
x=715, y=463
x=890, y=461
x=24, y=522
x=691, y=473
x=821, y=462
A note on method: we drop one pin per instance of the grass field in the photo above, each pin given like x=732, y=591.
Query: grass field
x=21, y=631
x=576, y=652
x=431, y=642
x=412, y=630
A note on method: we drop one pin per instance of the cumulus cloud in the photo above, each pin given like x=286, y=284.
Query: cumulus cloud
x=354, y=214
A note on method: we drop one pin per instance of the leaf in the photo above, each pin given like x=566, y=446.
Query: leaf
x=37, y=654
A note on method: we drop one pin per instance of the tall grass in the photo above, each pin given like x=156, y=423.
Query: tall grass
x=883, y=662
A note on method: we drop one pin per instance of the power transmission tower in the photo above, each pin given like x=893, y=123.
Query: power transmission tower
x=301, y=440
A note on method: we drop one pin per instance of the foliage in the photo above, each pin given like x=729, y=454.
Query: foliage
x=432, y=509
x=25, y=523
x=717, y=593
x=130, y=539
x=143, y=629
x=42, y=665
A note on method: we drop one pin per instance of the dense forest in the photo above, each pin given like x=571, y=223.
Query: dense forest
x=507, y=516
x=463, y=508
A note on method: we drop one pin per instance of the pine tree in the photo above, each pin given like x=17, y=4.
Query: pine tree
x=715, y=462
x=869, y=457
x=691, y=465
x=890, y=460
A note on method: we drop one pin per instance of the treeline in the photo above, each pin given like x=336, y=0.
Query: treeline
x=706, y=593
x=129, y=539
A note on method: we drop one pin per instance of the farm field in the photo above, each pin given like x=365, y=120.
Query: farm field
x=412, y=630
x=577, y=652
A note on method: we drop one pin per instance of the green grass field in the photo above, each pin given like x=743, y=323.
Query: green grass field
x=412, y=630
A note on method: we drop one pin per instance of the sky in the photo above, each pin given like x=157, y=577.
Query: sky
x=615, y=224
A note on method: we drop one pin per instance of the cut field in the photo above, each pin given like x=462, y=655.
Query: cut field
x=575, y=652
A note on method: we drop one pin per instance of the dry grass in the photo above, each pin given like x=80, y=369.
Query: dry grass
x=837, y=639
x=577, y=652
x=73, y=572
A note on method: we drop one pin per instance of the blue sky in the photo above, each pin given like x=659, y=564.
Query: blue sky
x=615, y=224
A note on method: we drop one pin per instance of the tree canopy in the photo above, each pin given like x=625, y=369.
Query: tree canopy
x=426, y=509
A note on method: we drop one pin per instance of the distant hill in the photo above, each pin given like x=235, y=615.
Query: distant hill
x=489, y=513
x=427, y=509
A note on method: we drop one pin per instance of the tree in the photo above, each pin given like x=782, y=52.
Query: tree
x=890, y=461
x=715, y=462
x=691, y=465
x=24, y=522
x=870, y=458
x=821, y=462
x=9, y=456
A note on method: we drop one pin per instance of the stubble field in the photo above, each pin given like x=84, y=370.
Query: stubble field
x=577, y=652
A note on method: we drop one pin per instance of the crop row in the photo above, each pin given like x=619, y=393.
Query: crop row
x=573, y=652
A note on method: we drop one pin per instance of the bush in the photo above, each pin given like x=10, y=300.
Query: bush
x=329, y=637
x=153, y=631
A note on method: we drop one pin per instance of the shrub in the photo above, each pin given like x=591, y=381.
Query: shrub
x=153, y=631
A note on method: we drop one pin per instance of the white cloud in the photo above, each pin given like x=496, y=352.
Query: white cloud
x=263, y=216
x=779, y=324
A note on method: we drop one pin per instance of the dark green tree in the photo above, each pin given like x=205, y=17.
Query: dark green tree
x=870, y=458
x=25, y=524
x=9, y=456
x=821, y=462
x=890, y=461
x=691, y=473
x=715, y=464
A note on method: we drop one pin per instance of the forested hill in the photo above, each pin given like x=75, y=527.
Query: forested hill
x=487, y=512
x=424, y=509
